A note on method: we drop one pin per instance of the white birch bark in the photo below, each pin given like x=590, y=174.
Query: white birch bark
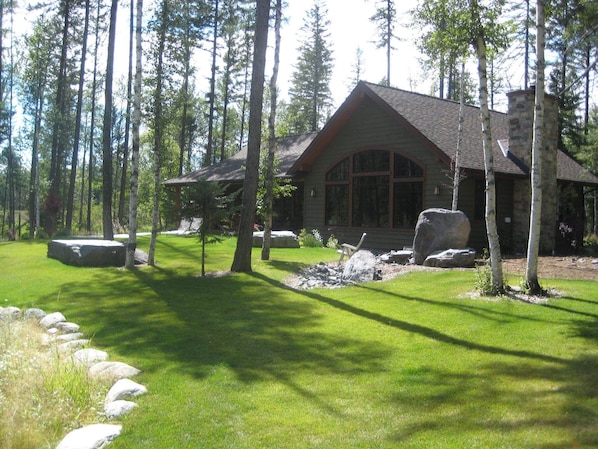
x=457, y=168
x=533, y=244
x=490, y=212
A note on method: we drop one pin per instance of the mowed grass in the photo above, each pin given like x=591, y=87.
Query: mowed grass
x=241, y=361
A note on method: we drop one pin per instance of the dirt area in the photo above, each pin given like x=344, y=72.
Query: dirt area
x=566, y=267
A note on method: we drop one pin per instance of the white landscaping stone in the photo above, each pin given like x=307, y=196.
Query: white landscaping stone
x=67, y=328
x=95, y=436
x=73, y=345
x=10, y=313
x=69, y=337
x=112, y=370
x=89, y=356
x=34, y=314
x=52, y=320
x=124, y=389
x=118, y=409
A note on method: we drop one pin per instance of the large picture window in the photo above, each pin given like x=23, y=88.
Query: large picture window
x=374, y=188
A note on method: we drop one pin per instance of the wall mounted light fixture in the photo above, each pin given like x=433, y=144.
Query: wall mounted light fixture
x=437, y=190
x=313, y=193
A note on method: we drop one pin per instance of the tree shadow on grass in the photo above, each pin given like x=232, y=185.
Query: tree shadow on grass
x=262, y=330
x=478, y=311
x=534, y=406
x=258, y=330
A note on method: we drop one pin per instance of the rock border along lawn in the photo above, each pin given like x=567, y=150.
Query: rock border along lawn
x=66, y=336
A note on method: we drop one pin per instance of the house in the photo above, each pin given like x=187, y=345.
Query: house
x=386, y=155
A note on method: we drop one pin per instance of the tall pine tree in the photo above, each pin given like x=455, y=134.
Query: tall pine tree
x=310, y=96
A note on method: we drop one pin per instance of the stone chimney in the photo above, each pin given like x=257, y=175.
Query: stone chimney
x=521, y=126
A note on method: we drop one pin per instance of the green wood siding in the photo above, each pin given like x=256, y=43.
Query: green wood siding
x=371, y=128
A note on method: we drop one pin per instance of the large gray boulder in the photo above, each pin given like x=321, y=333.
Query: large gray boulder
x=437, y=230
x=88, y=253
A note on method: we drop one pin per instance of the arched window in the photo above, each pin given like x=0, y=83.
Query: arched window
x=374, y=188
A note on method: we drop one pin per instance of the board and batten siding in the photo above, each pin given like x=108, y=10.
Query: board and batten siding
x=371, y=128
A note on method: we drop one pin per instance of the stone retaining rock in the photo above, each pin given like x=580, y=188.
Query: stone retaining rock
x=63, y=333
x=112, y=370
x=94, y=436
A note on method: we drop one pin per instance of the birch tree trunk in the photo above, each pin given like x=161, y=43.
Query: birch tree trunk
x=457, y=174
x=490, y=212
x=269, y=198
x=136, y=122
x=535, y=222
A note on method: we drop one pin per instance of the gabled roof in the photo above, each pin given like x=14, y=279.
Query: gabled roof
x=435, y=122
x=432, y=120
x=233, y=169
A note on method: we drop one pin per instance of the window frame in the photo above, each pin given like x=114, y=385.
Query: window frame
x=393, y=179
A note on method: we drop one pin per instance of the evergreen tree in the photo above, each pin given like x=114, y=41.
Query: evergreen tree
x=310, y=97
x=384, y=19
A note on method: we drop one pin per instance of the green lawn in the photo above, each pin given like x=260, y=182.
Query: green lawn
x=243, y=362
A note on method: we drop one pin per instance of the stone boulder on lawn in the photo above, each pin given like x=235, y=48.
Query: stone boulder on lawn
x=361, y=267
x=279, y=239
x=439, y=229
x=451, y=258
x=88, y=252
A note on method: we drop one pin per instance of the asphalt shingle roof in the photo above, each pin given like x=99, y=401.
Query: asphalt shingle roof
x=434, y=120
x=233, y=169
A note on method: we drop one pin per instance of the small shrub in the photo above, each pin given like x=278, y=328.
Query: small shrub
x=310, y=240
x=483, y=280
x=591, y=241
x=332, y=242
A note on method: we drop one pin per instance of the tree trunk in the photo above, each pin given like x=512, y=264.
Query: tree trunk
x=457, y=168
x=75, y=155
x=269, y=197
x=133, y=198
x=107, y=131
x=34, y=214
x=58, y=126
x=94, y=85
x=490, y=212
x=388, y=40
x=533, y=244
x=242, y=259
x=158, y=134
x=125, y=168
x=209, y=149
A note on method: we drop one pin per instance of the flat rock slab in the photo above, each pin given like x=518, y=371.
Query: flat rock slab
x=279, y=239
x=451, y=258
x=88, y=253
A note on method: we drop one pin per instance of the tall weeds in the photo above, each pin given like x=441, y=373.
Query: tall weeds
x=43, y=394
